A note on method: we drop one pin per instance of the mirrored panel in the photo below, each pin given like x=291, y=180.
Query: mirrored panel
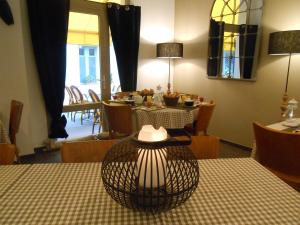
x=233, y=38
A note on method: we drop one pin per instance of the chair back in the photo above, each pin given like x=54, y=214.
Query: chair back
x=77, y=94
x=119, y=118
x=16, y=109
x=205, y=147
x=71, y=97
x=94, y=96
x=7, y=154
x=278, y=150
x=204, y=115
x=85, y=151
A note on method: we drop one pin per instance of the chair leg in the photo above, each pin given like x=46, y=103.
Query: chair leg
x=93, y=128
x=17, y=155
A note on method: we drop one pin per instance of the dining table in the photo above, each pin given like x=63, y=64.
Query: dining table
x=161, y=116
x=231, y=191
x=167, y=117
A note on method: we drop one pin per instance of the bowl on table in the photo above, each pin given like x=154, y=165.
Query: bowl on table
x=129, y=101
x=171, y=101
x=189, y=102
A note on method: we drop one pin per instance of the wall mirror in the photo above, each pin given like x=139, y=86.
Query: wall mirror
x=234, y=38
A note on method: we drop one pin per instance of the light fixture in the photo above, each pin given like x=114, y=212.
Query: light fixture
x=285, y=43
x=151, y=171
x=170, y=50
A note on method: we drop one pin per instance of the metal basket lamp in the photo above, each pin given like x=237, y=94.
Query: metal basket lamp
x=150, y=176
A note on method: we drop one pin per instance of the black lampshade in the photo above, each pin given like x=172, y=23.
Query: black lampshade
x=169, y=50
x=284, y=42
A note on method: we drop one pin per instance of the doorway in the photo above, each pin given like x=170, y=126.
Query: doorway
x=91, y=62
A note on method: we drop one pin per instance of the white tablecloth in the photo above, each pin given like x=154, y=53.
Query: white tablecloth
x=231, y=191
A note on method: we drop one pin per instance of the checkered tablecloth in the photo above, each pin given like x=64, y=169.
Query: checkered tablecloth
x=3, y=134
x=9, y=175
x=231, y=191
x=167, y=118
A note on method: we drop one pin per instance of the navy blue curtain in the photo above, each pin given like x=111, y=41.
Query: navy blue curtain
x=248, y=35
x=5, y=13
x=49, y=26
x=215, y=48
x=124, y=22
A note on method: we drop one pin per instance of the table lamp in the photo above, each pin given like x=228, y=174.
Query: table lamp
x=169, y=50
x=285, y=43
x=151, y=171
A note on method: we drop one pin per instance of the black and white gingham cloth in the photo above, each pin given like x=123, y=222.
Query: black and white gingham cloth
x=168, y=118
x=231, y=191
x=3, y=134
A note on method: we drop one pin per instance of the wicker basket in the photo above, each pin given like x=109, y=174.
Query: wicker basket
x=171, y=101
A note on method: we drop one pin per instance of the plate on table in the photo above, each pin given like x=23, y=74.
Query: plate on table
x=149, y=109
x=291, y=123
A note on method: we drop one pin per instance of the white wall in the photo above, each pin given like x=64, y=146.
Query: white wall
x=238, y=103
x=18, y=80
x=157, y=25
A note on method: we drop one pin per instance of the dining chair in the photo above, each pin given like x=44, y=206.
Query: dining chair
x=16, y=109
x=79, y=99
x=205, y=147
x=98, y=115
x=119, y=118
x=7, y=153
x=204, y=115
x=85, y=151
x=279, y=151
x=71, y=99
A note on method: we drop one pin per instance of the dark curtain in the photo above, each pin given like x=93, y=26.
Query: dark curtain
x=5, y=12
x=49, y=26
x=124, y=22
x=248, y=34
x=215, y=47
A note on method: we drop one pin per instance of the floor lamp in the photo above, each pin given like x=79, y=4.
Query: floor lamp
x=169, y=50
x=285, y=43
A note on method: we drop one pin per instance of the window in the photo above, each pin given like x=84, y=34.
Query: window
x=87, y=64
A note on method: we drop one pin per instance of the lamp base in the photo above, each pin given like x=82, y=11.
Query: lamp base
x=284, y=104
x=169, y=89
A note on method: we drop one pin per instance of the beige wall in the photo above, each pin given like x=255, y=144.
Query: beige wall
x=18, y=80
x=157, y=25
x=238, y=103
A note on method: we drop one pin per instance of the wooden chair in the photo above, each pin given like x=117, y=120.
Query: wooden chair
x=119, y=118
x=201, y=124
x=16, y=109
x=279, y=152
x=205, y=147
x=85, y=151
x=98, y=115
x=71, y=99
x=79, y=99
x=7, y=153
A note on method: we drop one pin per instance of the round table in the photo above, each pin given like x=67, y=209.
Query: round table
x=166, y=117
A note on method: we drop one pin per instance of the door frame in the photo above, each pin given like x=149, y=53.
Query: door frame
x=100, y=10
